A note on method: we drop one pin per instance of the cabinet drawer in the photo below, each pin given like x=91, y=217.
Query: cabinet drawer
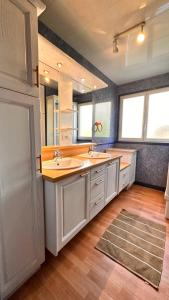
x=124, y=178
x=97, y=187
x=96, y=206
x=98, y=171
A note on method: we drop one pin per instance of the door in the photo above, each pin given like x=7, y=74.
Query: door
x=112, y=180
x=19, y=47
x=73, y=207
x=21, y=202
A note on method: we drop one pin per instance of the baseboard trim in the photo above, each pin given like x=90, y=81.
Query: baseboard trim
x=159, y=188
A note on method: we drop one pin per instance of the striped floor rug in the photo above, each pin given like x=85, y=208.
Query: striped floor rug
x=136, y=243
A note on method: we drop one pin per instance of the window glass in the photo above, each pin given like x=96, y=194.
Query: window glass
x=132, y=117
x=158, y=116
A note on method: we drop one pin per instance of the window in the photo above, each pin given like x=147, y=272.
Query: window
x=145, y=116
x=85, y=114
x=132, y=113
x=158, y=116
x=88, y=115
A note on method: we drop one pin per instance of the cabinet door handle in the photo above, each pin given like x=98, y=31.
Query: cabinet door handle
x=84, y=174
x=97, y=183
x=110, y=163
x=98, y=171
x=36, y=70
x=40, y=163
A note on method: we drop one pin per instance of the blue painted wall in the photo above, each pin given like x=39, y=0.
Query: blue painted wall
x=154, y=82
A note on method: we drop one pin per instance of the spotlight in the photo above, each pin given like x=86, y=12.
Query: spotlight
x=47, y=79
x=141, y=35
x=59, y=65
x=115, y=47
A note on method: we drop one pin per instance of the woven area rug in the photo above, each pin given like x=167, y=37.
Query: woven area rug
x=136, y=243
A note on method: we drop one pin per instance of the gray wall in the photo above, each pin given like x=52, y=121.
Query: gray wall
x=154, y=82
x=153, y=159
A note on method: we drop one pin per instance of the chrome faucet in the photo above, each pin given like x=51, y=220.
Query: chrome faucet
x=57, y=156
x=91, y=149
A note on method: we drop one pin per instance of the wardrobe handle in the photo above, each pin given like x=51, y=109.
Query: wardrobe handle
x=36, y=70
x=40, y=163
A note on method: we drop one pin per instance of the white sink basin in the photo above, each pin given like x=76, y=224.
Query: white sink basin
x=62, y=164
x=93, y=154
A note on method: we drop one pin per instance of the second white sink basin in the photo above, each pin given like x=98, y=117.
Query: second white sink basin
x=62, y=164
x=93, y=154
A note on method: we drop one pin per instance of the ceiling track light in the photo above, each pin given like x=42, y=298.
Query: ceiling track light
x=140, y=37
x=47, y=79
x=115, y=47
x=59, y=65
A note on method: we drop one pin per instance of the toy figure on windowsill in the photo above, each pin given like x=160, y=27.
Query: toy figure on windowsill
x=98, y=126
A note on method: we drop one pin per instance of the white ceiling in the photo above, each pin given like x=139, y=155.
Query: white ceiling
x=89, y=25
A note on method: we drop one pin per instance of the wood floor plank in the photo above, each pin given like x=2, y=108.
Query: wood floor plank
x=80, y=272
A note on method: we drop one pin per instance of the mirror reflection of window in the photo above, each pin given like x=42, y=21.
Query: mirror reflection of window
x=85, y=115
x=103, y=116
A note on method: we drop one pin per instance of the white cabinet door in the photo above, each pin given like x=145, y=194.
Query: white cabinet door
x=73, y=206
x=112, y=180
x=21, y=201
x=19, y=46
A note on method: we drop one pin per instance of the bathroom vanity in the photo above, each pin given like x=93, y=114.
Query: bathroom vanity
x=74, y=197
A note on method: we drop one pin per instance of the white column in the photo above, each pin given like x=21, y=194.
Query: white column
x=65, y=92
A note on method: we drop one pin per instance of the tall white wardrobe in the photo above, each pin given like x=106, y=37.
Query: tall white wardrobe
x=21, y=194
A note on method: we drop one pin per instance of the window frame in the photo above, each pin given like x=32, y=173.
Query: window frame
x=78, y=120
x=143, y=139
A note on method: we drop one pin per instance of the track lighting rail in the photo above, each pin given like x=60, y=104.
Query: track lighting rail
x=142, y=24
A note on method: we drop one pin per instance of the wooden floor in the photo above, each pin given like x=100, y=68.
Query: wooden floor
x=82, y=272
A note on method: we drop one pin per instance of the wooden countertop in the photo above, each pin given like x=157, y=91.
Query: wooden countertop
x=124, y=165
x=56, y=175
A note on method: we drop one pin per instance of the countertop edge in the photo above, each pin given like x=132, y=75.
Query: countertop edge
x=78, y=170
x=123, y=167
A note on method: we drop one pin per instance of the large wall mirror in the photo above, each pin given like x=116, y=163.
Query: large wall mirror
x=62, y=79
x=58, y=120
